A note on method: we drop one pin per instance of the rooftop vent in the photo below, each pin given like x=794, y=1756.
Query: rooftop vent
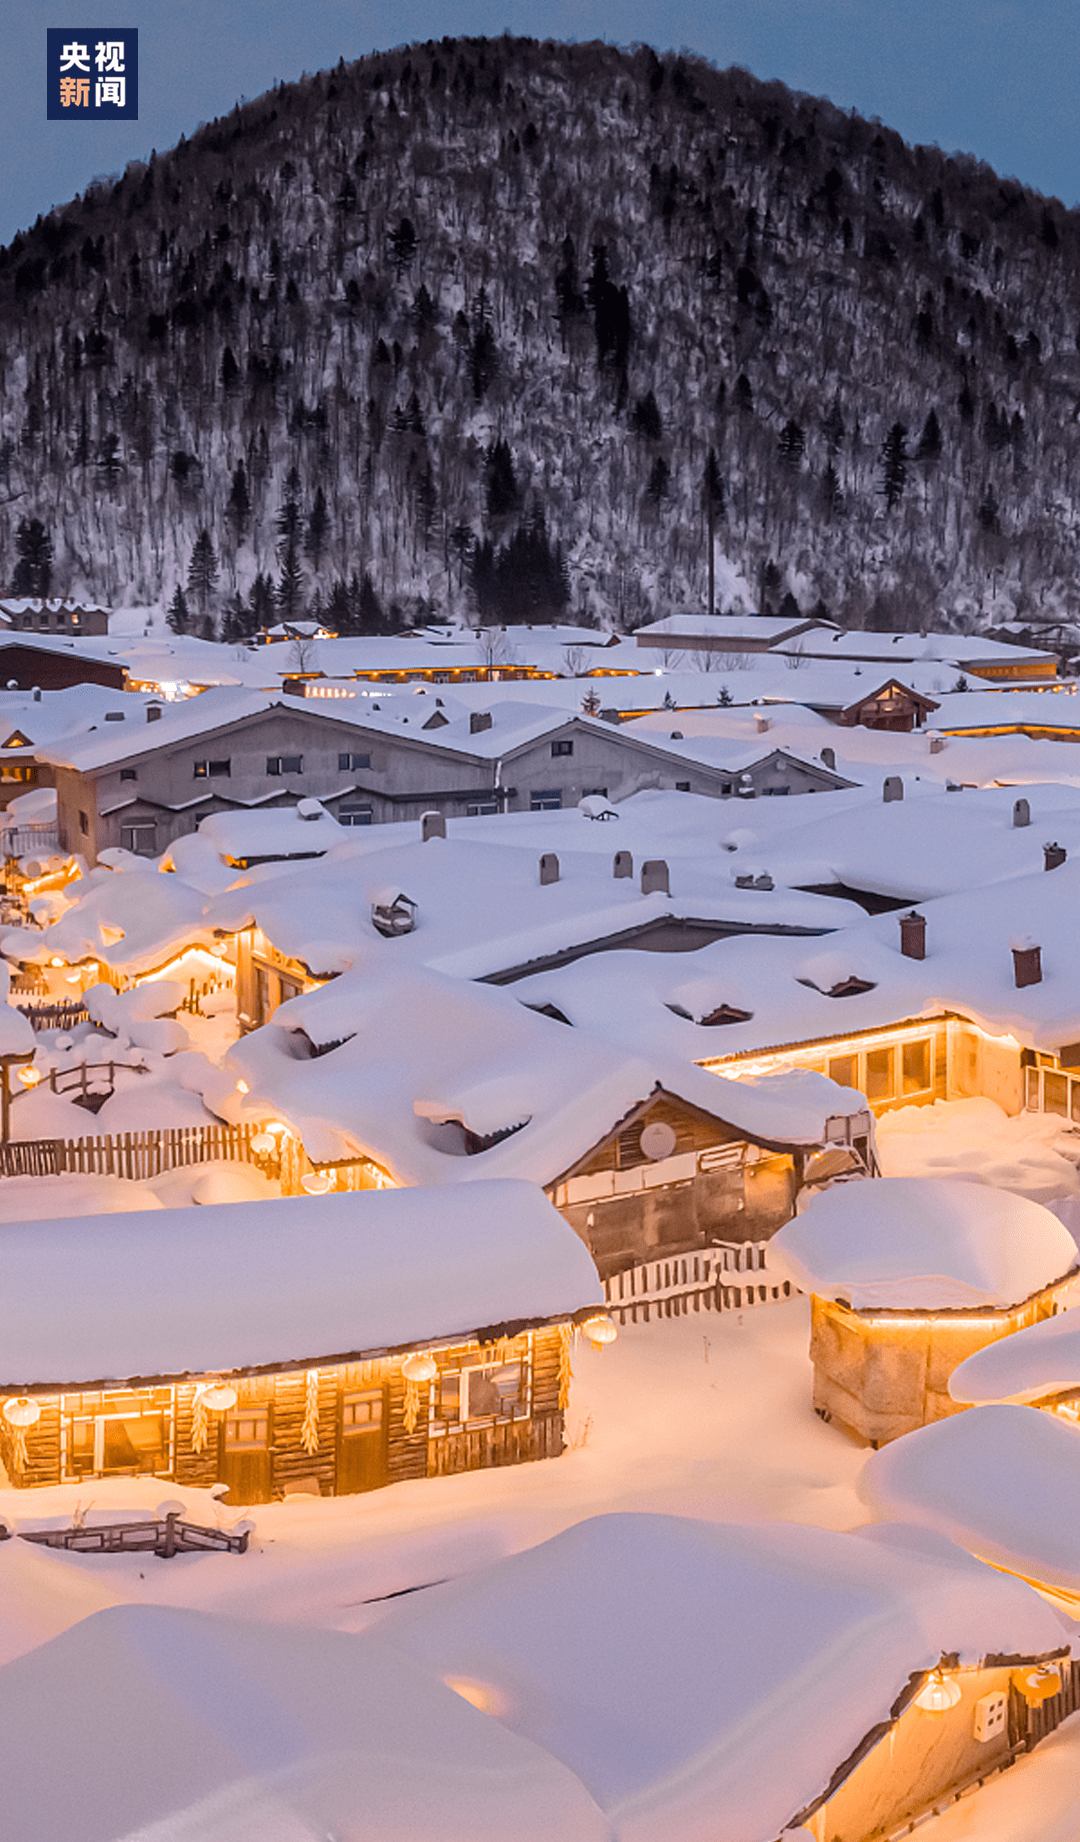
x=432, y=825
x=654, y=877
x=892, y=789
x=549, y=868
x=1054, y=856
x=828, y=757
x=1027, y=961
x=1021, y=814
x=913, y=936
x=478, y=721
x=622, y=864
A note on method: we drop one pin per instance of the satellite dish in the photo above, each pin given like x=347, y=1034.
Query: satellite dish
x=657, y=1140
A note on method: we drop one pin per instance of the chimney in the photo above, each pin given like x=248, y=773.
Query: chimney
x=654, y=877
x=549, y=868
x=478, y=721
x=936, y=740
x=623, y=864
x=432, y=825
x=37, y=693
x=1027, y=961
x=828, y=757
x=1021, y=814
x=1054, y=856
x=761, y=723
x=913, y=936
x=893, y=789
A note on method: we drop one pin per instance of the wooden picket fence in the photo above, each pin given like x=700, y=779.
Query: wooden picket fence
x=134, y=1155
x=718, y=1278
x=66, y=1015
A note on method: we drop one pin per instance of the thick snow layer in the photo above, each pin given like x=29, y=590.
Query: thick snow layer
x=1032, y=1153
x=255, y=1283
x=42, y=1593
x=421, y=1049
x=923, y=1244
x=671, y=1716
x=181, y=1725
x=1041, y=1359
x=280, y=832
x=1002, y=1481
x=133, y=921
x=45, y=1199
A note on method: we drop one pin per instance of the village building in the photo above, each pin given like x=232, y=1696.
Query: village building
x=1001, y=1481
x=929, y=1671
x=56, y=616
x=223, y=750
x=986, y=713
x=991, y=659
x=419, y=1078
x=51, y=663
x=730, y=633
x=909, y=1276
x=327, y=1344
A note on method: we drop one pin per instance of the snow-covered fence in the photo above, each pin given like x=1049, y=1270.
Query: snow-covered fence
x=147, y=1154
x=31, y=840
x=711, y=1280
x=65, y=1015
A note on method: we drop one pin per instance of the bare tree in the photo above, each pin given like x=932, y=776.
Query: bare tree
x=495, y=649
x=574, y=659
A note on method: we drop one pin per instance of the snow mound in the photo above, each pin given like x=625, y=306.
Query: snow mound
x=1001, y=1481
x=922, y=1244
x=1041, y=1359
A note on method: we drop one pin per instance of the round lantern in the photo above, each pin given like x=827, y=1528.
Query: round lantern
x=22, y=1411
x=29, y=1075
x=219, y=1397
x=317, y=1182
x=261, y=1144
x=420, y=1368
x=1038, y=1684
x=938, y=1695
x=600, y=1330
x=242, y=1087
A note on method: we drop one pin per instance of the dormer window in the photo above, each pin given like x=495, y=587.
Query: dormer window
x=850, y=988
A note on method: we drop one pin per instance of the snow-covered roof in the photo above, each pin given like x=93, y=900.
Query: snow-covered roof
x=421, y=1049
x=1002, y=1481
x=281, y=831
x=132, y=919
x=246, y=1285
x=187, y=1726
x=923, y=1244
x=955, y=648
x=756, y=1659
x=728, y=629
x=978, y=709
x=1042, y=1359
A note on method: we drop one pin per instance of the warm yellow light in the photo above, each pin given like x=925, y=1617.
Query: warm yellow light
x=29, y=1076
x=600, y=1330
x=242, y=1087
x=261, y=1144
x=317, y=1182
x=57, y=962
x=420, y=1368
x=482, y=1695
x=277, y=1126
x=960, y=1320
x=939, y=1695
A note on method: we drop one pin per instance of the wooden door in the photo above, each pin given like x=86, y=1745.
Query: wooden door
x=245, y=1459
x=361, y=1449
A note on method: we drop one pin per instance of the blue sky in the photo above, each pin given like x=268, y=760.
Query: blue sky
x=998, y=78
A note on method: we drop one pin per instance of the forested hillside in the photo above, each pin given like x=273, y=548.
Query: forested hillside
x=500, y=327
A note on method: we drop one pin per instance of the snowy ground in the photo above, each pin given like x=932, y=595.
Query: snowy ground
x=1034, y=1154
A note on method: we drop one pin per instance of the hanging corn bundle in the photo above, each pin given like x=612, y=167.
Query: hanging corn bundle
x=566, y=1373
x=309, y=1432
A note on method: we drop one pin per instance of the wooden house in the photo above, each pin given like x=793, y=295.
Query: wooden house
x=327, y=1344
x=1039, y=1366
x=908, y=1277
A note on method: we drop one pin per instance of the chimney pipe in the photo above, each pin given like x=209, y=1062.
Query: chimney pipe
x=549, y=868
x=1054, y=856
x=1021, y=814
x=654, y=877
x=892, y=789
x=913, y=936
x=828, y=757
x=432, y=825
x=1027, y=962
x=623, y=864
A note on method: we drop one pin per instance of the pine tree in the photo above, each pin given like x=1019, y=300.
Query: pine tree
x=645, y=418
x=659, y=482
x=236, y=623
x=894, y=465
x=724, y=698
x=318, y=531
x=369, y=611
x=33, y=571
x=202, y=571
x=238, y=510
x=288, y=521
x=792, y=445
x=289, y=594
x=178, y=617
x=403, y=245
x=261, y=602
x=929, y=448
x=502, y=490
x=831, y=495
x=712, y=492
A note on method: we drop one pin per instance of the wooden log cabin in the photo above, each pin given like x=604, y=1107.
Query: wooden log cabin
x=326, y=1345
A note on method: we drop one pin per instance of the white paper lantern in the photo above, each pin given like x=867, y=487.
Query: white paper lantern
x=219, y=1397
x=420, y=1368
x=938, y=1695
x=22, y=1411
x=600, y=1329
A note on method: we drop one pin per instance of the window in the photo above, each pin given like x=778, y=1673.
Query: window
x=562, y=748
x=284, y=764
x=546, y=802
x=880, y=1076
x=844, y=1069
x=247, y=1429
x=355, y=815
x=682, y=786
x=361, y=1412
x=141, y=839
x=594, y=793
x=347, y=762
x=121, y=1433
x=128, y=774
x=212, y=770
x=482, y=809
x=84, y=824
x=915, y=1067
x=1055, y=1093
x=725, y=788
x=493, y=1393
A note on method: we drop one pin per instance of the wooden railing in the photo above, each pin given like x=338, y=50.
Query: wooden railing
x=65, y=1015
x=708, y=1280
x=134, y=1155
x=164, y=1536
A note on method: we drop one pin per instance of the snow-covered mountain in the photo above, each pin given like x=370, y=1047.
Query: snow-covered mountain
x=469, y=318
